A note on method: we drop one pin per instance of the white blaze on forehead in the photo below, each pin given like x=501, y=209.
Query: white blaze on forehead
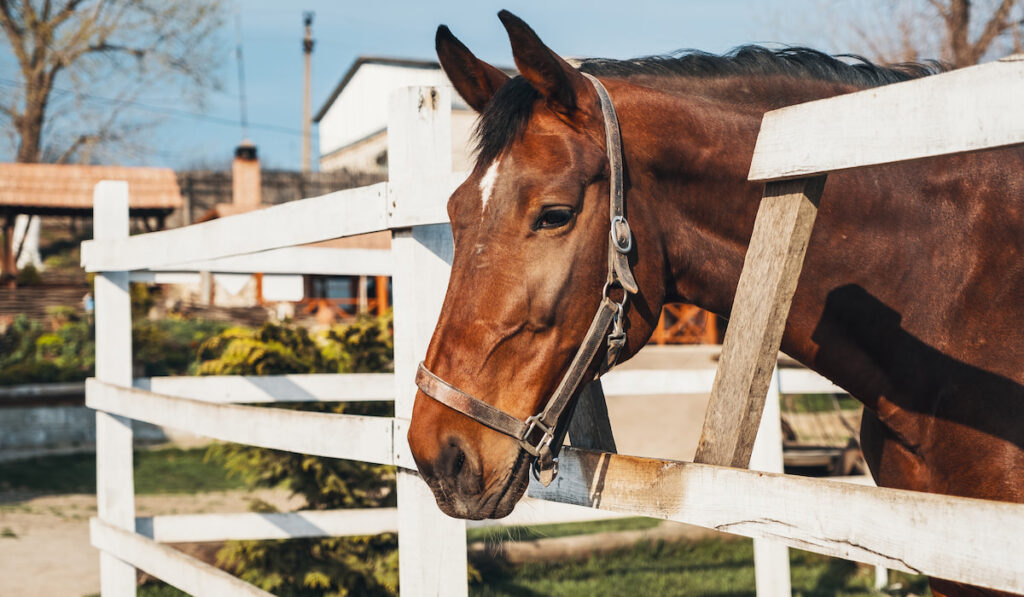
x=487, y=184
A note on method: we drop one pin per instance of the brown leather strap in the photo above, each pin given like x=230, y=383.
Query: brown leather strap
x=621, y=236
x=472, y=407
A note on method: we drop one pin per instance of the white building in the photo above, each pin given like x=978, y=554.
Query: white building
x=352, y=124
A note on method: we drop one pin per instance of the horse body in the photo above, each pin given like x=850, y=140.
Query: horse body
x=910, y=298
x=909, y=295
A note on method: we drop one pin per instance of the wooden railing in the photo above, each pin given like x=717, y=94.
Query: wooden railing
x=972, y=541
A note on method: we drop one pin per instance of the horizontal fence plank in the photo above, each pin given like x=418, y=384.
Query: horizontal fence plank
x=353, y=387
x=650, y=382
x=310, y=387
x=805, y=381
x=974, y=541
x=325, y=261
x=181, y=528
x=168, y=564
x=653, y=382
x=368, y=439
x=343, y=213
x=964, y=110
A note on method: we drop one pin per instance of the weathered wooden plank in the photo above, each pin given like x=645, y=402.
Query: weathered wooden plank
x=973, y=541
x=765, y=291
x=351, y=437
x=168, y=564
x=654, y=382
x=253, y=389
x=432, y=546
x=805, y=381
x=771, y=558
x=589, y=426
x=338, y=214
x=964, y=110
x=353, y=387
x=261, y=526
x=335, y=523
x=296, y=260
x=115, y=485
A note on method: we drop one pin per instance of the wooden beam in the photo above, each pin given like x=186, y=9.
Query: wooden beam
x=295, y=260
x=765, y=291
x=193, y=576
x=967, y=540
x=115, y=482
x=432, y=545
x=263, y=526
x=252, y=389
x=338, y=214
x=179, y=528
x=964, y=110
x=771, y=558
x=353, y=437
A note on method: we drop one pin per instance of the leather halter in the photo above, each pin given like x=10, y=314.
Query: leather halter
x=541, y=435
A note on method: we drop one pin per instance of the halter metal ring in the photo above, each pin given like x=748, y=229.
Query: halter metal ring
x=621, y=221
x=533, y=422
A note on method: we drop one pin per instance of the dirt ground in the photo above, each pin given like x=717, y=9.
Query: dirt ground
x=44, y=540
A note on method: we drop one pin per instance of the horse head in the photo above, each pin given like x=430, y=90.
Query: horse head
x=531, y=231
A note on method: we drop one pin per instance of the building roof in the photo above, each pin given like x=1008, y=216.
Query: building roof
x=53, y=187
x=359, y=62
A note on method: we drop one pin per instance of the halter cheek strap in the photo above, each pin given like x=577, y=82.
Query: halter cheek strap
x=541, y=434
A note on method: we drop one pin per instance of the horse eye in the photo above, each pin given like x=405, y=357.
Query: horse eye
x=554, y=218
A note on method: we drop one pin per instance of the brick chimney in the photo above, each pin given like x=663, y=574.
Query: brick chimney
x=246, y=188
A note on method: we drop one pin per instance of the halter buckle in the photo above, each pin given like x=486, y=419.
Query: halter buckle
x=619, y=222
x=533, y=423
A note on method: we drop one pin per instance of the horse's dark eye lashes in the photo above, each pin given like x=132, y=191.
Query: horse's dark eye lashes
x=554, y=218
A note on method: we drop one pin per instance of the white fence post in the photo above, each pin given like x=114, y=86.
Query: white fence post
x=771, y=559
x=115, y=489
x=432, y=546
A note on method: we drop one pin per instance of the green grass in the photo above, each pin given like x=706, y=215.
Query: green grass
x=169, y=470
x=709, y=567
x=816, y=403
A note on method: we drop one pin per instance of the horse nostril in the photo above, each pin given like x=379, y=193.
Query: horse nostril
x=459, y=471
x=452, y=460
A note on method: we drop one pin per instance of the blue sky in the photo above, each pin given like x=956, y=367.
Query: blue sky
x=272, y=30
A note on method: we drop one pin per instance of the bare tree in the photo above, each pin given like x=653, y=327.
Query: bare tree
x=80, y=63
x=958, y=32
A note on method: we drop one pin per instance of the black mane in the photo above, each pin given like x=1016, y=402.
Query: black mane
x=506, y=115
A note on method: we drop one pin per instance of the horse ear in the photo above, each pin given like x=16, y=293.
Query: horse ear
x=475, y=80
x=566, y=90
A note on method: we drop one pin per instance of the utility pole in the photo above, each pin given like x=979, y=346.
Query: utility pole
x=307, y=53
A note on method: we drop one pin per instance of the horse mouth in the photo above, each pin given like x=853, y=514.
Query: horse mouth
x=489, y=504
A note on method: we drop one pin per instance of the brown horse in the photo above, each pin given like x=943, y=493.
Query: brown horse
x=911, y=296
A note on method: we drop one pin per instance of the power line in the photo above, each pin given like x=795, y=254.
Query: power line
x=163, y=110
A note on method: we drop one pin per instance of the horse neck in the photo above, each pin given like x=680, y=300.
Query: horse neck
x=688, y=169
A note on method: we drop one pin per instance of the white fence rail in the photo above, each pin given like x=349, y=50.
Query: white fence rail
x=967, y=540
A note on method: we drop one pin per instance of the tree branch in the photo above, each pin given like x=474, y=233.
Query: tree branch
x=14, y=32
x=995, y=27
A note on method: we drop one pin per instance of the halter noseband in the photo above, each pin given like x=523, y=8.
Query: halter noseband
x=541, y=435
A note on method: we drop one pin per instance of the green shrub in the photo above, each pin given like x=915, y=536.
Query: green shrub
x=28, y=276
x=334, y=566
x=30, y=354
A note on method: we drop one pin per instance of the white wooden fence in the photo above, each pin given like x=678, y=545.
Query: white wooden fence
x=969, y=540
